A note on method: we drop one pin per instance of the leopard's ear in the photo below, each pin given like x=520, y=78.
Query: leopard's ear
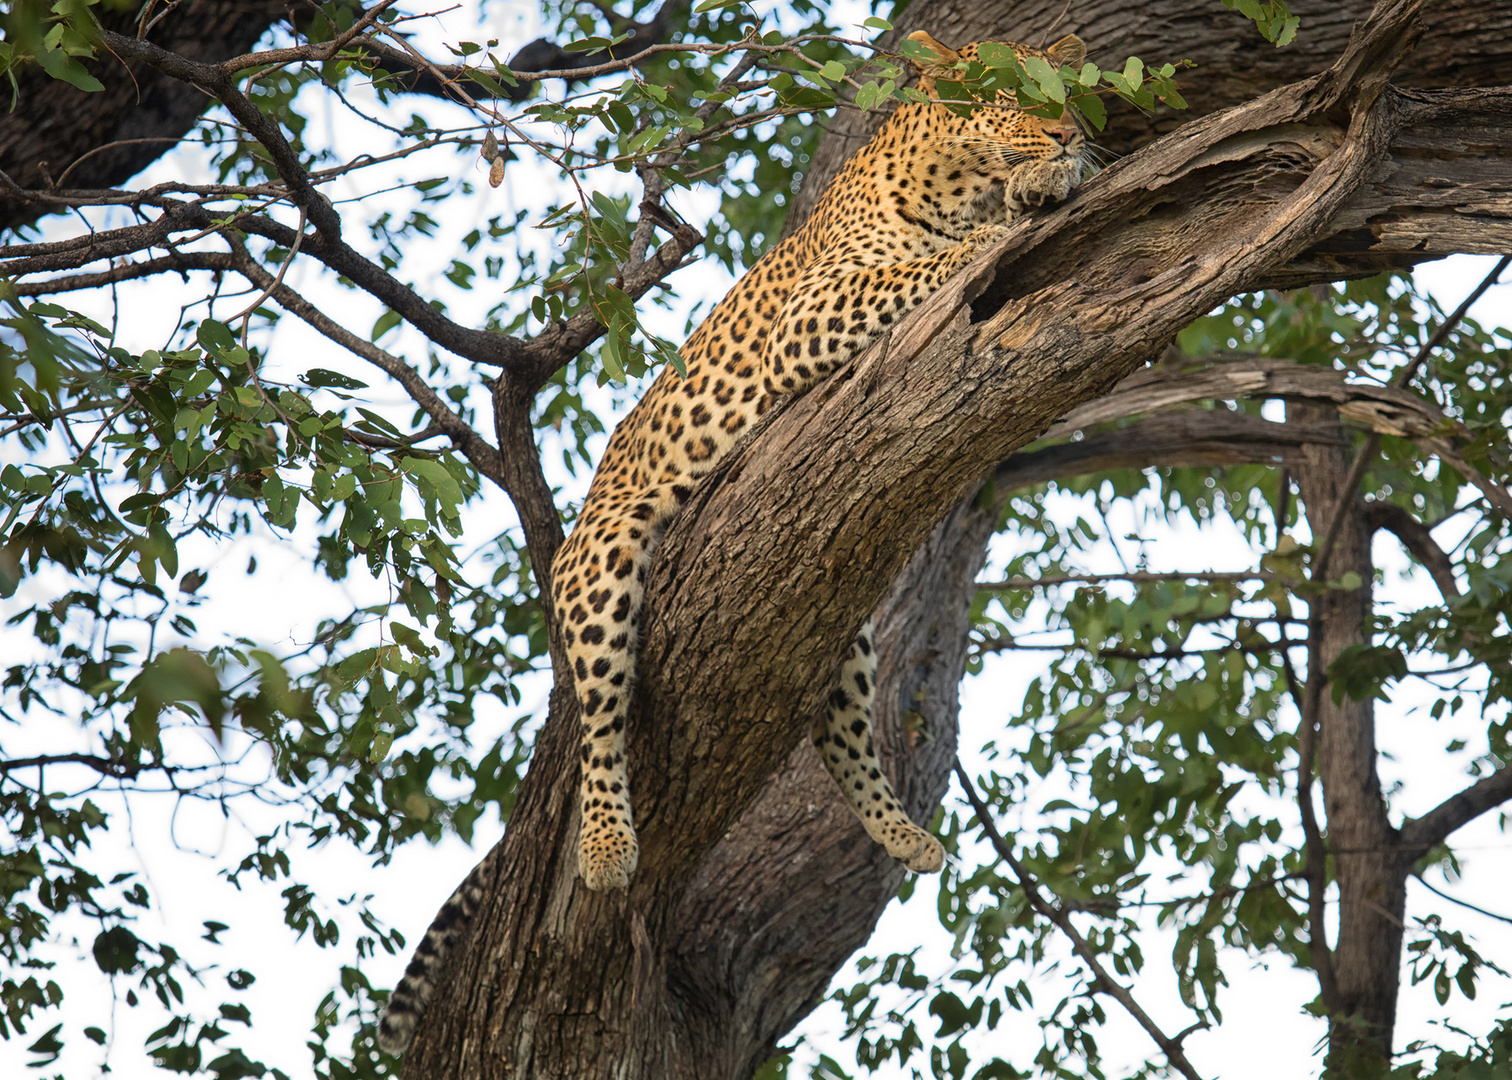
x=1069, y=50
x=939, y=60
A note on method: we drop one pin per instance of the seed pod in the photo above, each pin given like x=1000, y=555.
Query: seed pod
x=496, y=172
x=490, y=148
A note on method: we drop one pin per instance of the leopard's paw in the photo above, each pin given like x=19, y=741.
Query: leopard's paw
x=916, y=849
x=607, y=859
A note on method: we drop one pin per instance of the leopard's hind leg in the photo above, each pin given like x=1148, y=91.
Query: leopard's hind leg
x=844, y=742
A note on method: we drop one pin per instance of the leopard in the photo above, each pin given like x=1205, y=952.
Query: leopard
x=930, y=192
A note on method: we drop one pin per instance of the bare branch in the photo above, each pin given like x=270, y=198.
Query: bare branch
x=1103, y=982
x=104, y=766
x=130, y=271
x=1434, y=827
x=79, y=251
x=1416, y=538
x=1463, y=903
x=1137, y=578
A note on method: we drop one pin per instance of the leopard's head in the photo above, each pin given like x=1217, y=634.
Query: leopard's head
x=1037, y=159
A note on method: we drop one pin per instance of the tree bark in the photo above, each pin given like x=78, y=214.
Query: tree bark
x=1368, y=868
x=58, y=134
x=1465, y=43
x=753, y=884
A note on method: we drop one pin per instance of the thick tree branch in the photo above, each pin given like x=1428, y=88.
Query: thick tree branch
x=1389, y=410
x=175, y=262
x=1196, y=438
x=220, y=83
x=1434, y=827
x=1416, y=538
x=1462, y=46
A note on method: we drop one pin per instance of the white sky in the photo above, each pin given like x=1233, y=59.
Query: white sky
x=1265, y=1033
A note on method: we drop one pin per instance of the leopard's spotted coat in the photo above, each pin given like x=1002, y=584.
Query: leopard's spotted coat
x=922, y=199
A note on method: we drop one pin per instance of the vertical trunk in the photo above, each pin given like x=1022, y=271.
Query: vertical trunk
x=698, y=976
x=1360, y=839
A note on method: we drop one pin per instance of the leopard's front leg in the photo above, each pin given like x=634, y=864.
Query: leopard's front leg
x=598, y=585
x=838, y=308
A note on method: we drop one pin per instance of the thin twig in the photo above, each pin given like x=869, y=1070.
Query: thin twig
x=246, y=312
x=1136, y=577
x=1104, y=983
x=1314, y=851
x=1463, y=903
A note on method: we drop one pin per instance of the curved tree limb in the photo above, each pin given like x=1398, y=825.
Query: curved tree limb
x=1461, y=808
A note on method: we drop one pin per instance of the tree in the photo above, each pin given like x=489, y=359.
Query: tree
x=753, y=886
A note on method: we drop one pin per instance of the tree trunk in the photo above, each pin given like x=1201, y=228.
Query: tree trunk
x=754, y=884
x=1364, y=846
x=706, y=962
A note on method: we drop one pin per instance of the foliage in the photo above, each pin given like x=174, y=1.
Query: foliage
x=1169, y=719
x=136, y=455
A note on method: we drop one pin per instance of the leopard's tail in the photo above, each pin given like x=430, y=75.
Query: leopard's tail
x=407, y=1004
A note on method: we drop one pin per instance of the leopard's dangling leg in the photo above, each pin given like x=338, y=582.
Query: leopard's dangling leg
x=599, y=584
x=844, y=742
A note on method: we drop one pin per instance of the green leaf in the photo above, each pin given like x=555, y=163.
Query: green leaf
x=1091, y=107
x=115, y=951
x=1046, y=78
x=997, y=55
x=66, y=69
x=320, y=377
x=384, y=323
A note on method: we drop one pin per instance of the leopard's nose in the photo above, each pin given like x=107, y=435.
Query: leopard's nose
x=1062, y=132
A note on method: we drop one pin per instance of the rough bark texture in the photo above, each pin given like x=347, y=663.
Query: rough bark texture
x=1465, y=43
x=1371, y=875
x=753, y=885
x=60, y=135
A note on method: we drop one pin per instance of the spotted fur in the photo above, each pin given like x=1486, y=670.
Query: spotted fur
x=928, y=193
x=922, y=199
